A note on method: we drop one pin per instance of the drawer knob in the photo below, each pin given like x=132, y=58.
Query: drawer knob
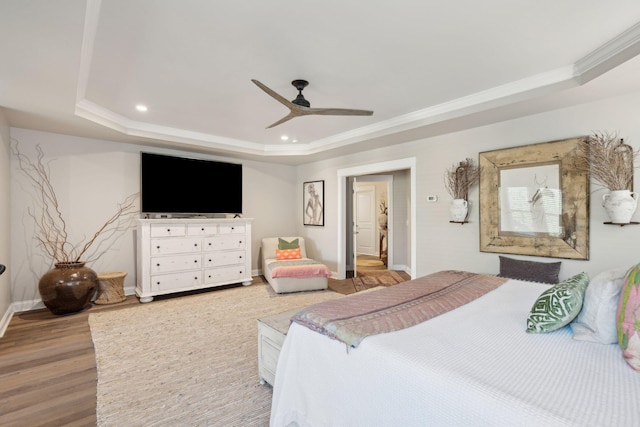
x=195, y=260
x=158, y=265
x=168, y=230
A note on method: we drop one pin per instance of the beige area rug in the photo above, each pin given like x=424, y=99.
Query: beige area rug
x=190, y=361
x=371, y=279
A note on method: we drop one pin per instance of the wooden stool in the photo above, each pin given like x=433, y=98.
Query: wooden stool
x=111, y=287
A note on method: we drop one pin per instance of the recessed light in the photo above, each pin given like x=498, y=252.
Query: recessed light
x=141, y=107
x=284, y=138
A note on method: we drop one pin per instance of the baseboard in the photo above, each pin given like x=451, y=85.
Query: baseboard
x=17, y=307
x=401, y=267
x=6, y=319
x=34, y=304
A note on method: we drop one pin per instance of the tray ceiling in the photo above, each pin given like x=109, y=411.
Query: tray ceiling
x=424, y=68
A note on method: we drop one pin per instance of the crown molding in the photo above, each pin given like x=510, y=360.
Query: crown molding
x=610, y=55
x=596, y=63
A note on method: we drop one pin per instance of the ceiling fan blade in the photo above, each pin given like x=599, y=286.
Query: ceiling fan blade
x=338, y=112
x=273, y=94
x=286, y=118
x=296, y=110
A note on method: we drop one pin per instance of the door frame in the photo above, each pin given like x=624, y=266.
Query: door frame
x=369, y=169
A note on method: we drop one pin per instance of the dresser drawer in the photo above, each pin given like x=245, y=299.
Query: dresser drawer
x=221, y=242
x=178, y=245
x=166, y=282
x=163, y=230
x=202, y=229
x=214, y=259
x=224, y=274
x=231, y=229
x=170, y=264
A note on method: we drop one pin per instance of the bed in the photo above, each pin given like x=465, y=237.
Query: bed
x=473, y=365
x=292, y=275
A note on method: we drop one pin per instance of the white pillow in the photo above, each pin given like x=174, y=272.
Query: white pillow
x=596, y=322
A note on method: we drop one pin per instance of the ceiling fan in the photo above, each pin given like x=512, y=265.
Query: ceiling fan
x=301, y=107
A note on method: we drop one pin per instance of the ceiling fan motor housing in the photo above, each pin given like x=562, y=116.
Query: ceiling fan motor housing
x=300, y=85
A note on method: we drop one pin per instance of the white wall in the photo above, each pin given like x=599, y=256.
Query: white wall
x=441, y=245
x=91, y=176
x=5, y=154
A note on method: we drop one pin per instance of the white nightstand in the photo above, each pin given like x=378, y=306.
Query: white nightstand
x=271, y=333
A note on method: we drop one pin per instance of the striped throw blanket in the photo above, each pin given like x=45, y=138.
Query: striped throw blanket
x=353, y=318
x=299, y=268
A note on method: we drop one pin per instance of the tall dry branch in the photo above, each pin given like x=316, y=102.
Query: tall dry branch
x=608, y=159
x=458, y=179
x=51, y=228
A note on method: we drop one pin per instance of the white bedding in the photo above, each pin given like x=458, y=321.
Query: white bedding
x=473, y=366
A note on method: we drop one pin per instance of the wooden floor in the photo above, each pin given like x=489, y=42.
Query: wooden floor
x=48, y=372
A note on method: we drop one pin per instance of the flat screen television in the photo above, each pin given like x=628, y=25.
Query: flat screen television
x=185, y=187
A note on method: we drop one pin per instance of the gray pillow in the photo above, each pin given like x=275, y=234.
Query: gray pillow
x=532, y=271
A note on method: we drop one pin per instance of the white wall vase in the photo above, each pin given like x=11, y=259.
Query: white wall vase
x=620, y=205
x=459, y=209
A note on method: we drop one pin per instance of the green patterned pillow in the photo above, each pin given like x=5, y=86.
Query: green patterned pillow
x=283, y=244
x=558, y=306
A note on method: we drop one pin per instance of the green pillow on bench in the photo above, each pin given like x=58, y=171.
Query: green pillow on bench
x=283, y=244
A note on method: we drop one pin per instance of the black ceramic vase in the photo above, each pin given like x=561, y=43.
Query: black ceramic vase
x=68, y=288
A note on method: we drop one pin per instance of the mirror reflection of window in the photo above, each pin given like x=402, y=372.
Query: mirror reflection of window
x=530, y=200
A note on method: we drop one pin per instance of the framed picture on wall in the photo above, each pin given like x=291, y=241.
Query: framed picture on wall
x=313, y=203
x=534, y=200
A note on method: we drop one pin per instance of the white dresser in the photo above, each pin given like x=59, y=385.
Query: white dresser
x=178, y=255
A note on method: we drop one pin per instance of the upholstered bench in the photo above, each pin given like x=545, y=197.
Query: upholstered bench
x=292, y=275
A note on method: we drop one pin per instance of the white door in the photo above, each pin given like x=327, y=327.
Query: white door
x=365, y=219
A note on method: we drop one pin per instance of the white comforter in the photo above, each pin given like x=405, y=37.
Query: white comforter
x=473, y=366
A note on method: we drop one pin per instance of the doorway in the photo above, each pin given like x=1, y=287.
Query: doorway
x=345, y=185
x=370, y=222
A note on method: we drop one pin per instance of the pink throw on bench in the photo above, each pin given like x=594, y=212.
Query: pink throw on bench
x=300, y=269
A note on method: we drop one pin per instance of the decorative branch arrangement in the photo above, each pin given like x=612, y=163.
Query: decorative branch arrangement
x=383, y=207
x=383, y=217
x=610, y=161
x=458, y=179
x=51, y=228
